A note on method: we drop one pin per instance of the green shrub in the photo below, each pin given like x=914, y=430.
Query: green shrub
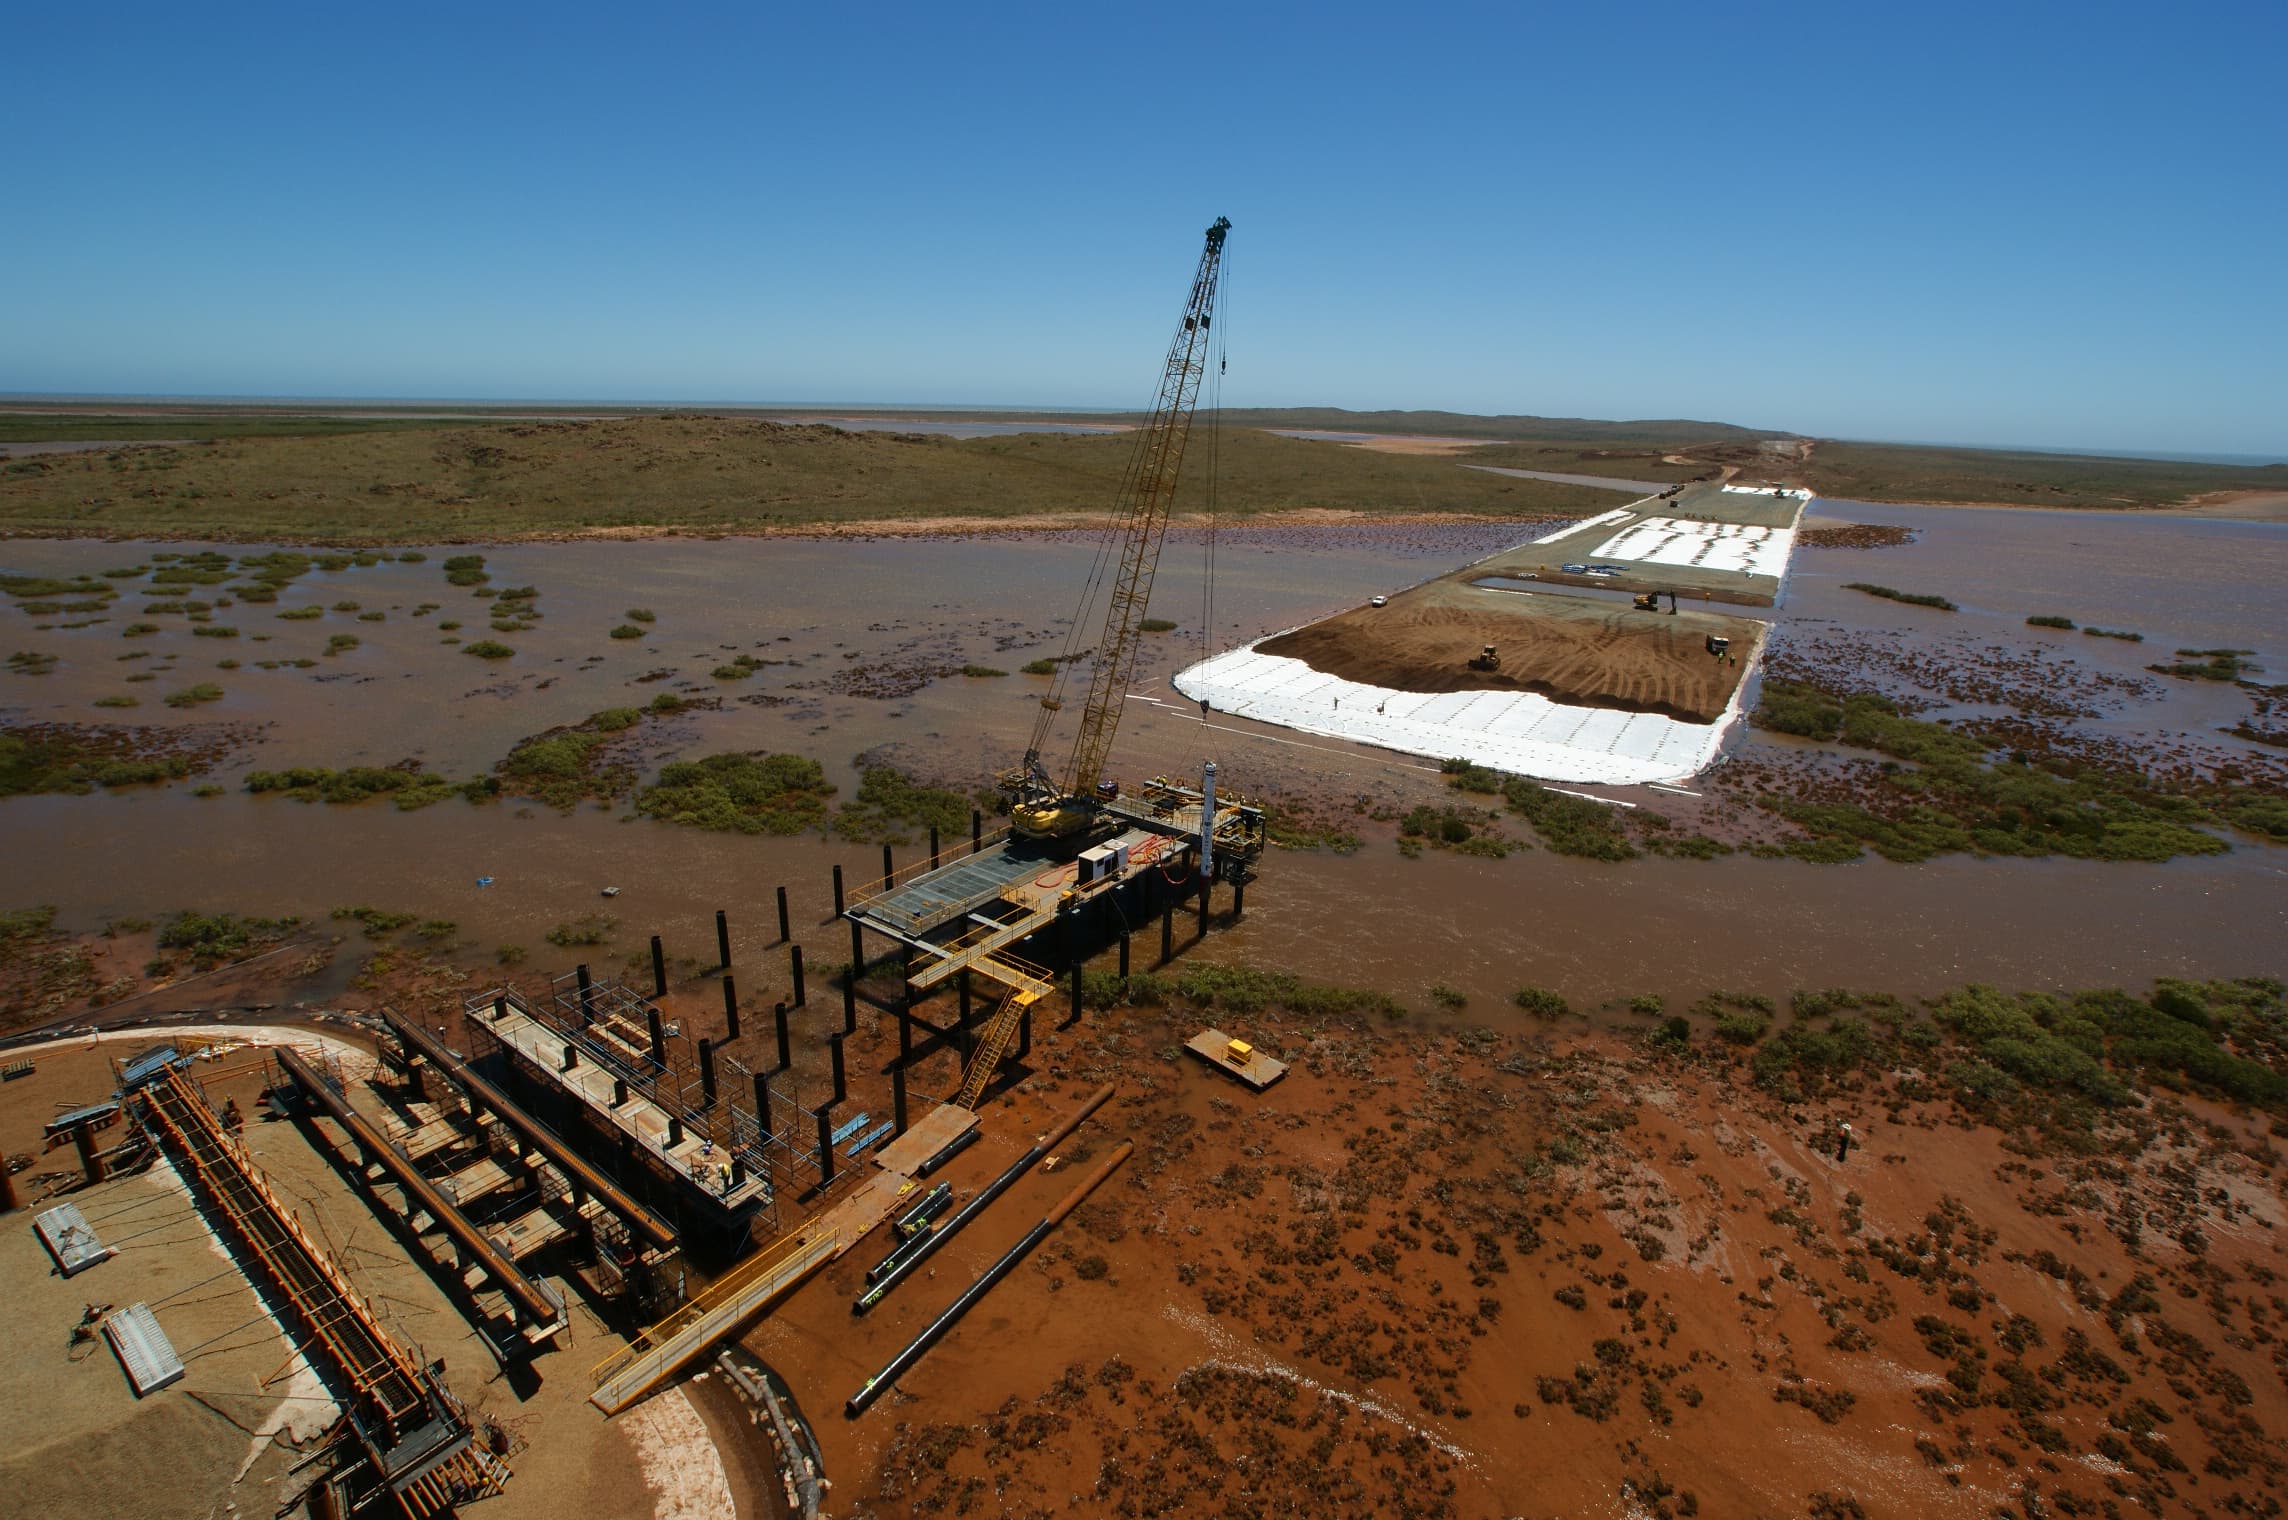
x=747, y=794
x=1569, y=825
x=408, y=788
x=1911, y=598
x=193, y=696
x=627, y=631
x=1541, y=1002
x=641, y=615
x=2052, y=621
x=1157, y=625
x=488, y=649
x=216, y=631
x=590, y=930
x=301, y=614
x=341, y=643
x=1039, y=667
x=890, y=803
x=211, y=937
x=982, y=671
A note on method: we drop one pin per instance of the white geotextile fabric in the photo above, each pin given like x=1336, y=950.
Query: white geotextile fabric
x=1703, y=545
x=1618, y=514
x=1515, y=731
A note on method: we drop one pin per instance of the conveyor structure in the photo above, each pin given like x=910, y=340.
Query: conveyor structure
x=413, y=1433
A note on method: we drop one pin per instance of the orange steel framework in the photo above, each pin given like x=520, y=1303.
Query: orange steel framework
x=412, y=1430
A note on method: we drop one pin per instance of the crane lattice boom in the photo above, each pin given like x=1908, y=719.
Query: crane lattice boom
x=1147, y=490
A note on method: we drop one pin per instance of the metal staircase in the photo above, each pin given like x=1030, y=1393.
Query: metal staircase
x=998, y=1032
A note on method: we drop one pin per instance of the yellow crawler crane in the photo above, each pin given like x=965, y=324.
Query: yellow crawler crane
x=1040, y=806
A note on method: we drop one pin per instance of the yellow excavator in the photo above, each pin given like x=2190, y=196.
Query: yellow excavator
x=1042, y=806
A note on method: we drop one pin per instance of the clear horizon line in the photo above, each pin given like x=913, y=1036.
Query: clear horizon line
x=2221, y=457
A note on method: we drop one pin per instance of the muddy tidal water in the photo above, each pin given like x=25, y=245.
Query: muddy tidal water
x=863, y=639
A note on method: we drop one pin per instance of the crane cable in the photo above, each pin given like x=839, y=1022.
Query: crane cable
x=1107, y=558
x=1215, y=470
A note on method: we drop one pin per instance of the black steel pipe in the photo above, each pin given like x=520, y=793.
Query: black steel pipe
x=952, y=1148
x=906, y=1246
x=838, y=891
x=723, y=935
x=794, y=959
x=786, y=929
x=658, y=968
x=730, y=1007
x=977, y=1205
x=934, y=1202
x=881, y=1382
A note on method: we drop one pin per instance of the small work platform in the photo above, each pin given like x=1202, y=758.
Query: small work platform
x=938, y=1128
x=70, y=1239
x=144, y=1352
x=528, y=1233
x=1236, y=1057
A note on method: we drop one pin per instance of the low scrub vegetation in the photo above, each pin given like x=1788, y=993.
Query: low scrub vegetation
x=1952, y=790
x=407, y=786
x=2049, y=1060
x=892, y=808
x=740, y=793
x=1893, y=594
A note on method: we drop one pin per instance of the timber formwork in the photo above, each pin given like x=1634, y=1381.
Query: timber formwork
x=412, y=1431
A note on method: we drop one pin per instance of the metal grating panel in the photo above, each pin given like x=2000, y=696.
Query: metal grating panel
x=150, y=1063
x=64, y=1230
x=143, y=1349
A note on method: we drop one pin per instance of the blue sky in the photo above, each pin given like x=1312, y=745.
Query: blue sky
x=2046, y=224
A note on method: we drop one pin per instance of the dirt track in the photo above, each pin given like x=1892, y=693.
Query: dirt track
x=1569, y=649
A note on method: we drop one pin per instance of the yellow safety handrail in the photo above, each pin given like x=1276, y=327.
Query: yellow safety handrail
x=697, y=1307
x=881, y=887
